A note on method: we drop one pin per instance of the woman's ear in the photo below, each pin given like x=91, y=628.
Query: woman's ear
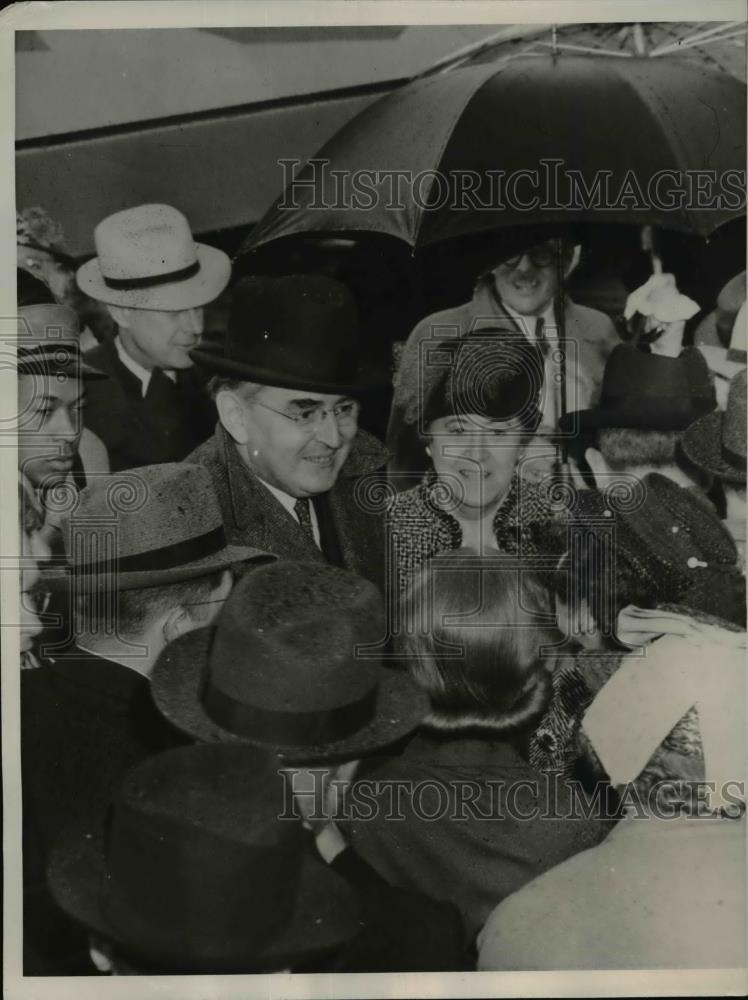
x=231, y=414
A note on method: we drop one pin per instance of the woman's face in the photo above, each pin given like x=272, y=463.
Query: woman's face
x=475, y=456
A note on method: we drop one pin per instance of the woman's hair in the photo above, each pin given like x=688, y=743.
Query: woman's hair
x=472, y=636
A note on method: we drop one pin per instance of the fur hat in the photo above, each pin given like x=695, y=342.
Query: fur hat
x=292, y=664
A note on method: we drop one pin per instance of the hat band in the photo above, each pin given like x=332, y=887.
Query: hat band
x=153, y=280
x=293, y=728
x=732, y=457
x=167, y=557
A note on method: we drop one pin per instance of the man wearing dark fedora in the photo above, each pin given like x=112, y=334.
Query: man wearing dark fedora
x=291, y=665
x=154, y=280
x=156, y=567
x=288, y=461
x=646, y=403
x=715, y=443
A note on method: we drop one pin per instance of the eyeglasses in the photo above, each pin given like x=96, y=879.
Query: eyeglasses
x=311, y=418
x=36, y=599
x=540, y=256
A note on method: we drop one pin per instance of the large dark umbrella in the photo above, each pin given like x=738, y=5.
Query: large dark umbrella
x=538, y=139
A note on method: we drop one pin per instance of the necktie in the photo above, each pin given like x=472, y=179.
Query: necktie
x=161, y=389
x=540, y=337
x=301, y=509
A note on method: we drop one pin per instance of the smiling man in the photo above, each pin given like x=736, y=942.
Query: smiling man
x=154, y=280
x=288, y=456
x=517, y=293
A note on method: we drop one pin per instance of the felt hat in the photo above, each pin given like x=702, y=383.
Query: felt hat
x=148, y=259
x=299, y=331
x=282, y=667
x=648, y=391
x=49, y=343
x=193, y=871
x=494, y=373
x=716, y=442
x=147, y=527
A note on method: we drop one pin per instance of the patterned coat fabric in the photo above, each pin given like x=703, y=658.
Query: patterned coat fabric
x=590, y=335
x=353, y=507
x=419, y=529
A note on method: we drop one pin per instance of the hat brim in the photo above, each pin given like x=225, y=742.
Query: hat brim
x=203, y=287
x=210, y=356
x=77, y=368
x=177, y=683
x=702, y=445
x=637, y=418
x=325, y=917
x=230, y=555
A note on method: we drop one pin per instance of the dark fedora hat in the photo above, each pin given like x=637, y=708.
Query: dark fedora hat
x=193, y=871
x=49, y=343
x=147, y=527
x=716, y=442
x=649, y=392
x=298, y=331
x=280, y=669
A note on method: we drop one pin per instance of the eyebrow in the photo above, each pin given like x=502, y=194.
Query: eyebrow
x=56, y=399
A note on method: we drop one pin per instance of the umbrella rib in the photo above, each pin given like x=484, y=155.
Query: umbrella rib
x=696, y=39
x=587, y=49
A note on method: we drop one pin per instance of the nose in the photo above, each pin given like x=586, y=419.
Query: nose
x=475, y=450
x=64, y=424
x=328, y=431
x=525, y=265
x=192, y=321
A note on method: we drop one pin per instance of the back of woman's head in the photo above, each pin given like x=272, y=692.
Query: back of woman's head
x=473, y=632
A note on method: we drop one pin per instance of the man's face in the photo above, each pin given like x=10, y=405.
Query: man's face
x=476, y=455
x=304, y=455
x=50, y=418
x=160, y=339
x=528, y=282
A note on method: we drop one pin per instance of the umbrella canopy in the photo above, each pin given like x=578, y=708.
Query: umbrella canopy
x=534, y=140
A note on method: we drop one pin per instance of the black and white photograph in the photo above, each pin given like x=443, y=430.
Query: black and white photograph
x=375, y=600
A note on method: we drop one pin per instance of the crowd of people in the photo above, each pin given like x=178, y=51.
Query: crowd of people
x=296, y=699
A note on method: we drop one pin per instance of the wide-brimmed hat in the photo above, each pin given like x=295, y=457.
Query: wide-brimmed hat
x=49, y=343
x=494, y=372
x=649, y=392
x=282, y=668
x=195, y=872
x=148, y=259
x=299, y=331
x=147, y=527
x=716, y=442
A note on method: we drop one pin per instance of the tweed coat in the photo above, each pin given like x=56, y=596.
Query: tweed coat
x=136, y=430
x=253, y=516
x=419, y=529
x=591, y=332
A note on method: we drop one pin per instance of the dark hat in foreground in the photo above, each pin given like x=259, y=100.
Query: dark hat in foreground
x=494, y=373
x=716, y=442
x=299, y=331
x=49, y=343
x=649, y=392
x=149, y=526
x=195, y=872
x=282, y=667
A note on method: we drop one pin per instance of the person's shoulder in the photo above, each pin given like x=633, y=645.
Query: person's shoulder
x=591, y=321
x=208, y=453
x=103, y=356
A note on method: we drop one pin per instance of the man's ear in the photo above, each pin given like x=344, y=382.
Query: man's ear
x=177, y=622
x=231, y=413
x=600, y=468
x=120, y=315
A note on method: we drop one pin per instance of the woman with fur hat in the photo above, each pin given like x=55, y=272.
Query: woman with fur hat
x=473, y=821
x=479, y=409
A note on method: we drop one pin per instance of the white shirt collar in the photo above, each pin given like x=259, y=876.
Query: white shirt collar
x=527, y=323
x=138, y=370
